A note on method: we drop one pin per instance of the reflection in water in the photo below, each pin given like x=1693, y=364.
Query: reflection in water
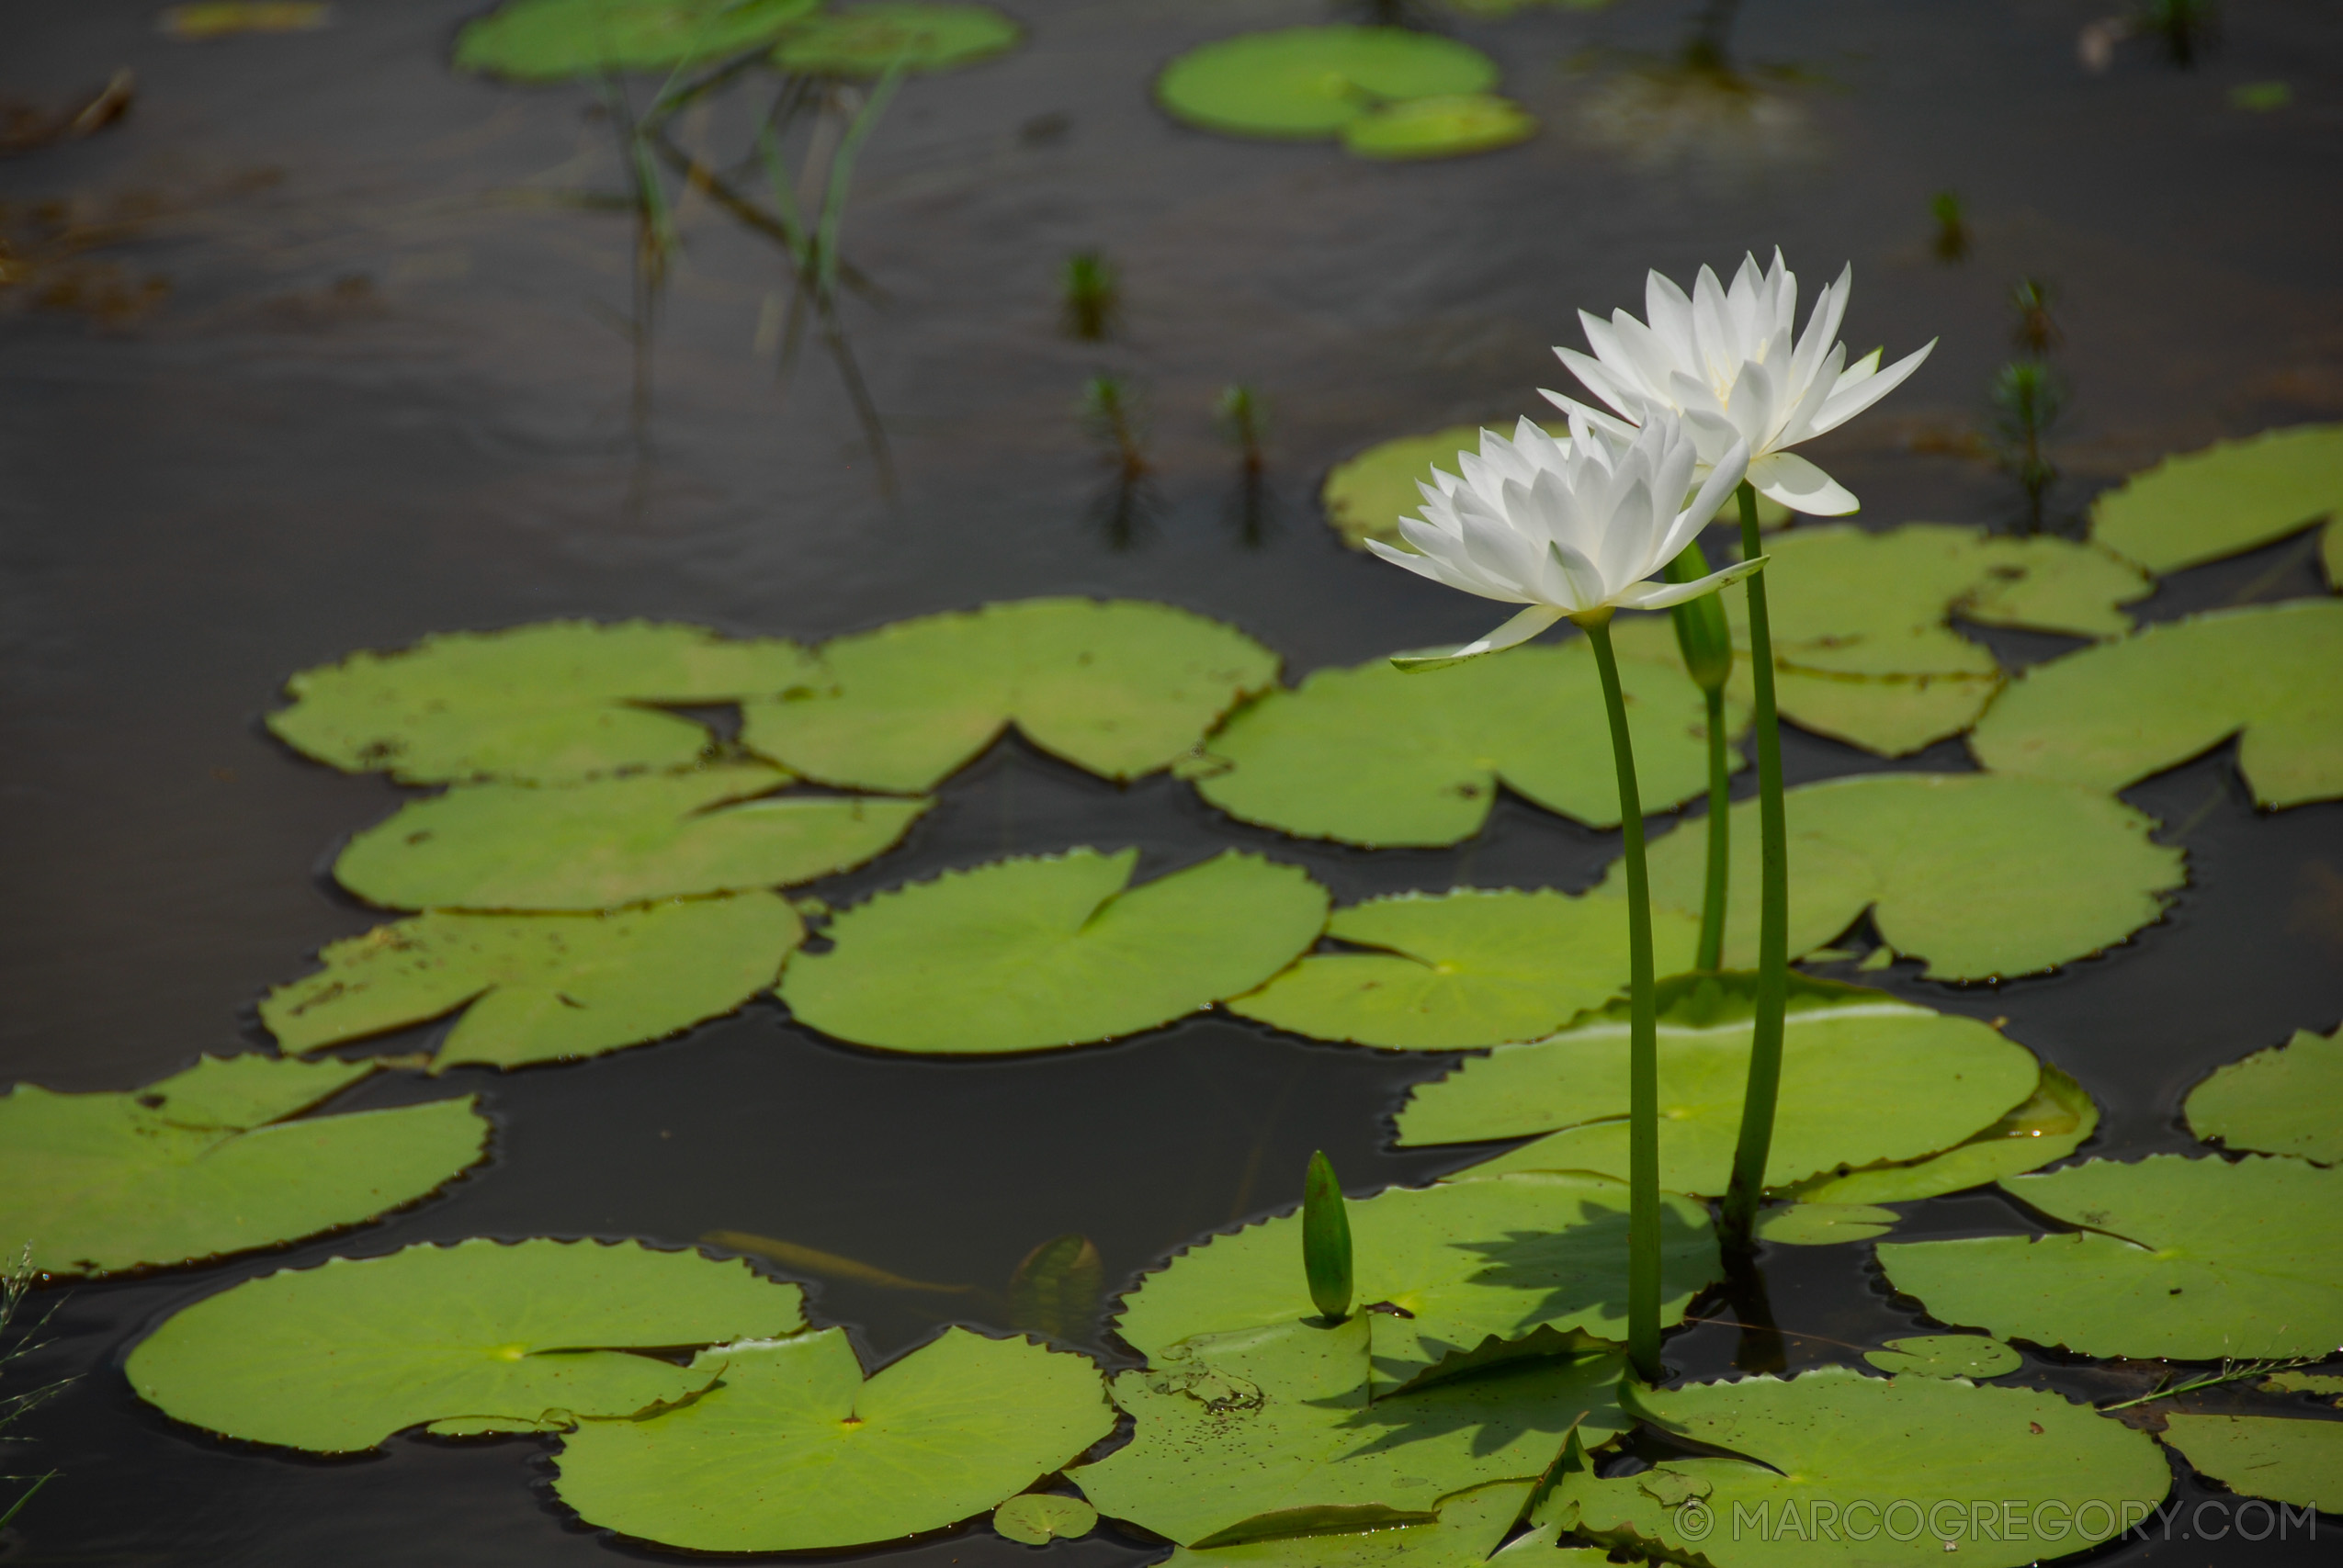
x=1699, y=106
x=1763, y=1349
x=1251, y=508
x=1123, y=512
x=1952, y=227
x=804, y=215
x=1091, y=296
x=2028, y=397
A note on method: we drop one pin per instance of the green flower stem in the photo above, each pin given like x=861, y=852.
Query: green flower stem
x=1643, y=1046
x=1747, y=1186
x=1706, y=643
x=1720, y=840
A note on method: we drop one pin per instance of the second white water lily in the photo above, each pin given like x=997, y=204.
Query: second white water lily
x=1569, y=527
x=1725, y=360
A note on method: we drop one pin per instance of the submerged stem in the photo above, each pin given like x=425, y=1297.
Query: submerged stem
x=1643, y=1046
x=1711, y=957
x=1748, y=1188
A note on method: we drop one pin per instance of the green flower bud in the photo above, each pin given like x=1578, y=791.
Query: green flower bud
x=1326, y=1241
x=1701, y=631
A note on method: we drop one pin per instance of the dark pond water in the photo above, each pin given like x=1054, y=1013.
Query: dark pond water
x=381, y=398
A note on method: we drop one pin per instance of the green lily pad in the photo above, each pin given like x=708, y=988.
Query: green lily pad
x=1824, y=1224
x=1268, y=1432
x=1946, y=1356
x=1058, y=949
x=2189, y=1259
x=213, y=1160
x=1464, y=1531
x=2287, y=1460
x=1872, y=1456
x=1865, y=1077
x=2300, y=1383
x=1444, y=126
x=540, y=987
x=1469, y=1259
x=1121, y=688
x=1374, y=756
x=551, y=40
x=1475, y=967
x=2330, y=554
x=2055, y=1122
x=2228, y=497
x=554, y=703
x=1863, y=646
x=792, y=1450
x=615, y=841
x=2110, y=717
x=1980, y=875
x=868, y=40
x=2279, y=1101
x=1036, y=1518
x=1312, y=82
x=338, y=1358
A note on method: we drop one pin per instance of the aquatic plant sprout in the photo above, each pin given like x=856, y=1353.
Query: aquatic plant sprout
x=1575, y=529
x=1569, y=527
x=1725, y=360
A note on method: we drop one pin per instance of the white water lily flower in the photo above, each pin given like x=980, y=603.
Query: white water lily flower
x=1723, y=359
x=1570, y=528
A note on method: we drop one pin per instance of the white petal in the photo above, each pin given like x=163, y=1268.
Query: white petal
x=1521, y=628
x=1800, y=486
x=1660, y=595
x=1845, y=401
x=1729, y=471
x=1593, y=417
x=1670, y=316
x=1822, y=327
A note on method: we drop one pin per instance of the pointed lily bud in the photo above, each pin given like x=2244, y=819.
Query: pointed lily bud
x=1701, y=631
x=1326, y=1241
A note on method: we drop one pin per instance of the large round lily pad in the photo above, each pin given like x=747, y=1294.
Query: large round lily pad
x=540, y=987
x=497, y=1336
x=1862, y=621
x=1061, y=950
x=1375, y=756
x=1121, y=688
x=615, y=841
x=1311, y=82
x=2193, y=1260
x=2058, y=1118
x=561, y=701
x=2110, y=717
x=869, y=40
x=1899, y=1470
x=792, y=1450
x=2228, y=497
x=1981, y=875
x=1441, y=126
x=2279, y=1101
x=541, y=40
x=1269, y=1433
x=1476, y=967
x=213, y=1160
x=1471, y=1261
x=1865, y=1078
x=2289, y=1461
